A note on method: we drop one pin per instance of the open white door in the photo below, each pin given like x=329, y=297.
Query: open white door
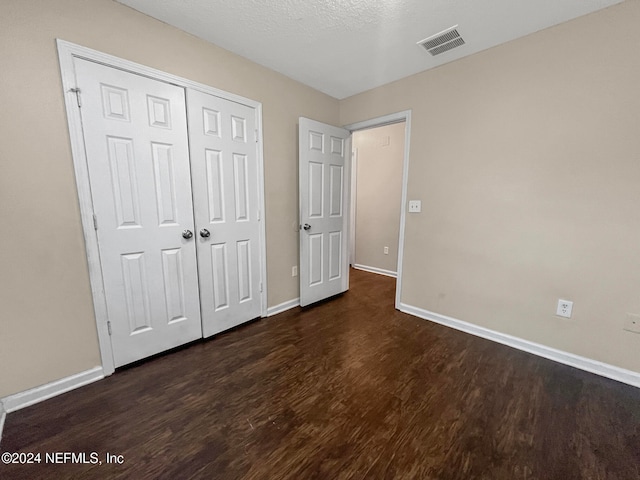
x=323, y=182
x=135, y=136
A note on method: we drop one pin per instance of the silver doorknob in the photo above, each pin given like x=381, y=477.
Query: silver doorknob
x=187, y=234
x=306, y=226
x=204, y=233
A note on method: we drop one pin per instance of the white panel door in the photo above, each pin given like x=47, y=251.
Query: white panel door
x=323, y=171
x=135, y=132
x=224, y=169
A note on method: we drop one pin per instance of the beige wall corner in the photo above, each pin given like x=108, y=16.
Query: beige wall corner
x=527, y=161
x=378, y=192
x=47, y=328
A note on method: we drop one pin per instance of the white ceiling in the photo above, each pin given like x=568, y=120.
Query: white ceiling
x=344, y=47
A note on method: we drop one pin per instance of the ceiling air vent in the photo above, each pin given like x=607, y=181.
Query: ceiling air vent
x=442, y=42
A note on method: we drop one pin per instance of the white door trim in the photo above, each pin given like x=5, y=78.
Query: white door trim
x=66, y=52
x=352, y=206
x=404, y=116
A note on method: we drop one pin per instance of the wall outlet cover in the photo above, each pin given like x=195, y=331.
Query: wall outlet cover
x=415, y=206
x=565, y=307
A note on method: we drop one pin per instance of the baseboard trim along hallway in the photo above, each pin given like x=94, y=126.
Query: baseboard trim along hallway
x=283, y=307
x=43, y=392
x=379, y=271
x=583, y=363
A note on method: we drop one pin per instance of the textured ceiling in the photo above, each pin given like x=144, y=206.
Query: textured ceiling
x=344, y=47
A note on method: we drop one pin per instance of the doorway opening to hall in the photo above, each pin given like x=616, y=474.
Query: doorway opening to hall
x=376, y=198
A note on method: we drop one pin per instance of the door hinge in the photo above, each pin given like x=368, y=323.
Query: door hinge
x=261, y=286
x=258, y=214
x=95, y=222
x=77, y=92
x=109, y=326
x=256, y=136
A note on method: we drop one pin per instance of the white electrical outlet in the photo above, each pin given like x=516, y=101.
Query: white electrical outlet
x=564, y=308
x=386, y=250
x=415, y=206
x=294, y=271
x=632, y=323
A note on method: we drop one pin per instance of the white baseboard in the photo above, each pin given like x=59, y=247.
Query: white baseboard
x=377, y=270
x=3, y=415
x=599, y=368
x=283, y=307
x=43, y=392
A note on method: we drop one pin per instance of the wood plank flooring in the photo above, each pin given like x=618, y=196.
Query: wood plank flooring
x=347, y=389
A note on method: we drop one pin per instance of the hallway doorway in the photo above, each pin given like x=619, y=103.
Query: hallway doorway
x=378, y=155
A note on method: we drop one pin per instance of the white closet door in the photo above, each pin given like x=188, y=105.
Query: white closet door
x=224, y=170
x=136, y=142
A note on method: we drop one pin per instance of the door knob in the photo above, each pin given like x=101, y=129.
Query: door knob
x=204, y=233
x=306, y=226
x=187, y=234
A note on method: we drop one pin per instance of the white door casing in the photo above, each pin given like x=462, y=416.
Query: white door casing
x=135, y=136
x=352, y=206
x=404, y=116
x=224, y=166
x=324, y=210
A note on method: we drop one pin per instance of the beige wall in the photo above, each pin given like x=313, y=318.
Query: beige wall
x=47, y=326
x=378, y=194
x=527, y=160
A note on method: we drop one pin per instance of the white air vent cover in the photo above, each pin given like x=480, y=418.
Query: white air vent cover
x=443, y=41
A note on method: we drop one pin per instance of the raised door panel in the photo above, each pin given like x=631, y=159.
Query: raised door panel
x=316, y=259
x=219, y=270
x=241, y=187
x=165, y=190
x=316, y=190
x=243, y=250
x=336, y=190
x=335, y=255
x=215, y=185
x=173, y=278
x=124, y=182
x=134, y=277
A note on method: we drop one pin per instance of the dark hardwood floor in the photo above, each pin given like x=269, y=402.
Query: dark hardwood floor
x=349, y=388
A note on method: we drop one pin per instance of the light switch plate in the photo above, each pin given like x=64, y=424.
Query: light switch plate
x=415, y=206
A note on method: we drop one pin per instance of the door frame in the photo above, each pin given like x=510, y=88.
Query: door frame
x=353, y=195
x=66, y=53
x=403, y=116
